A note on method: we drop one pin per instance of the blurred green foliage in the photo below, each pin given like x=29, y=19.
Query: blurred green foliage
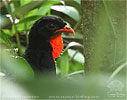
x=16, y=76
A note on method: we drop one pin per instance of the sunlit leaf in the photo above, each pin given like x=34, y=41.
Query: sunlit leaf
x=43, y=10
x=77, y=55
x=7, y=31
x=23, y=2
x=51, y=2
x=5, y=37
x=73, y=44
x=46, y=6
x=74, y=3
x=29, y=19
x=68, y=10
x=75, y=66
x=31, y=13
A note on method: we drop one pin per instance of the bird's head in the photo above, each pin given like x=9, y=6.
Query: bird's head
x=50, y=28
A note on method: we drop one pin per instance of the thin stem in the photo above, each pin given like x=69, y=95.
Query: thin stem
x=49, y=12
x=74, y=73
x=74, y=55
x=17, y=35
x=77, y=25
x=110, y=20
x=25, y=27
x=117, y=71
x=114, y=32
x=9, y=9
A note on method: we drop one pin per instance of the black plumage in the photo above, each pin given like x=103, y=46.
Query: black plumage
x=39, y=51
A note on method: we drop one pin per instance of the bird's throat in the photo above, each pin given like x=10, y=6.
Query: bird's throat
x=57, y=45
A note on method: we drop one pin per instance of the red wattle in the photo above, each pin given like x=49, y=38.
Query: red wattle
x=57, y=45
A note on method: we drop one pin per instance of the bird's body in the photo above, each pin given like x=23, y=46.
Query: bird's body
x=45, y=43
x=41, y=59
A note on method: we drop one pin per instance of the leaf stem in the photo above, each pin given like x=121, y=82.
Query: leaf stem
x=17, y=35
x=117, y=71
x=74, y=73
x=10, y=11
x=74, y=55
x=25, y=27
x=113, y=29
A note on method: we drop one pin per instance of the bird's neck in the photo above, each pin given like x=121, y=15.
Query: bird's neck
x=40, y=44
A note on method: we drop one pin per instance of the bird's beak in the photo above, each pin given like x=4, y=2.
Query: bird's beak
x=66, y=29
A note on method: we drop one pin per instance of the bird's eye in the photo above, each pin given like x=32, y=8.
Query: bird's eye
x=51, y=25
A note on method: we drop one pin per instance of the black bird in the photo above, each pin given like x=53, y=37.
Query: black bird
x=45, y=43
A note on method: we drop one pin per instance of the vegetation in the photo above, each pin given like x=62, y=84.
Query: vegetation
x=93, y=63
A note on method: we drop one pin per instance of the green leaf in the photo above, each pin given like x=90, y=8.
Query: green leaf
x=43, y=10
x=46, y=6
x=68, y=10
x=64, y=64
x=29, y=19
x=5, y=37
x=73, y=44
x=74, y=3
x=12, y=30
x=78, y=1
x=24, y=67
x=75, y=66
x=7, y=31
x=31, y=13
x=16, y=3
x=23, y=2
x=21, y=11
x=76, y=55
x=15, y=66
x=4, y=21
